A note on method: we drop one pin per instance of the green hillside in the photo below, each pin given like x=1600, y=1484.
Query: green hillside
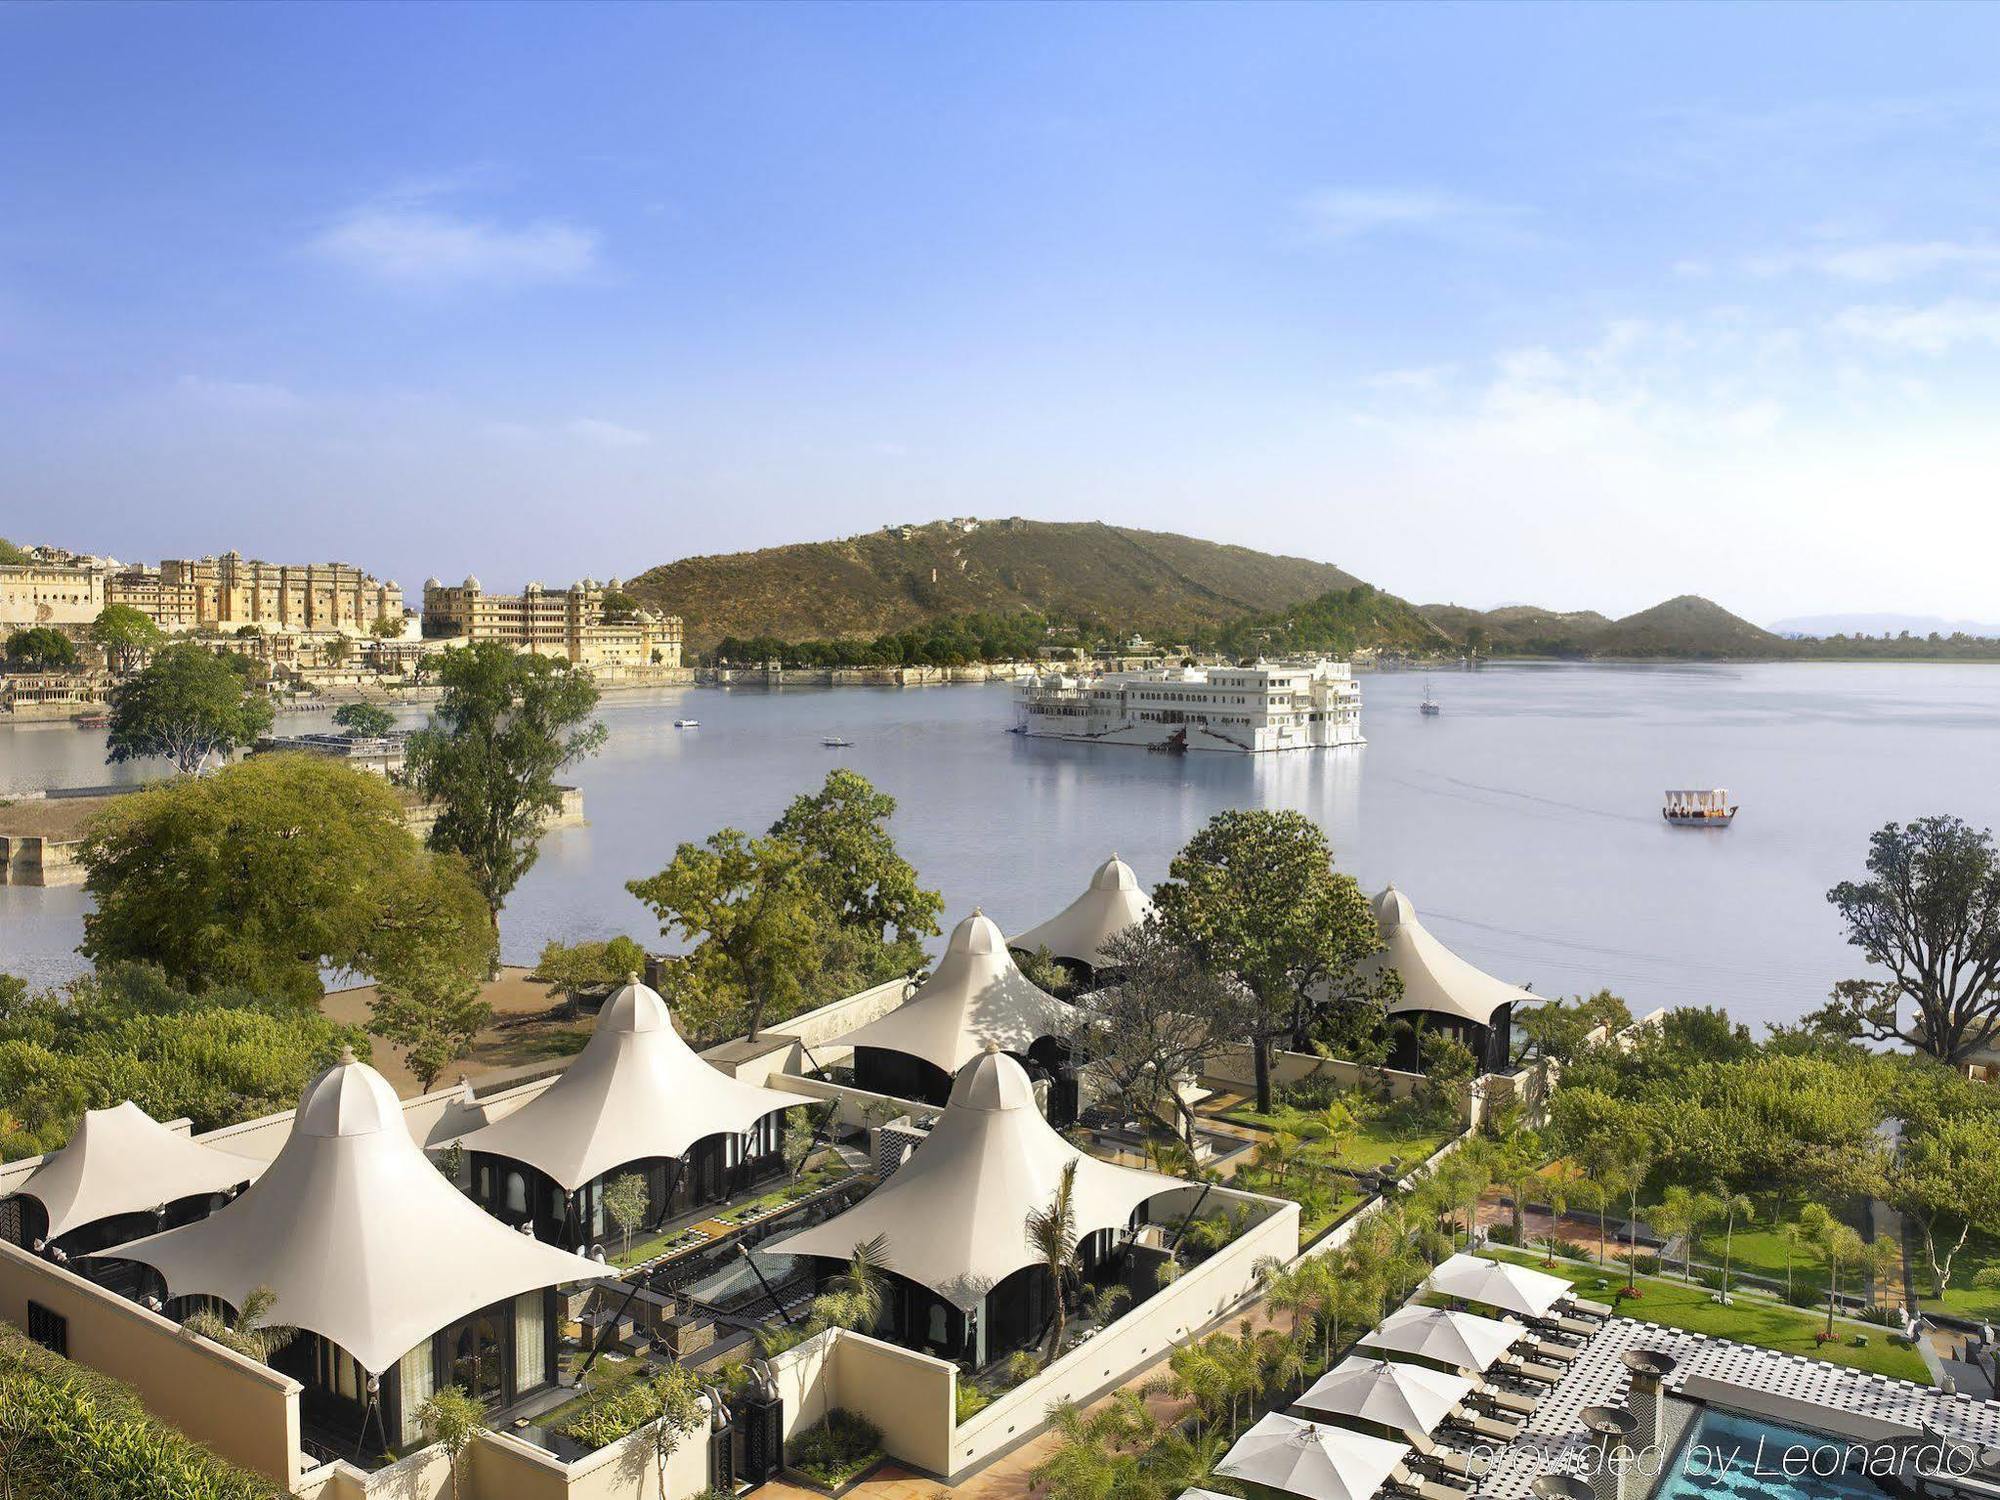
x=1685, y=628
x=1086, y=573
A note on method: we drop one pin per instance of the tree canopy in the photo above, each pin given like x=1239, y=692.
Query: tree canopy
x=364, y=721
x=125, y=635
x=505, y=725
x=268, y=872
x=12, y=556
x=185, y=705
x=1255, y=895
x=41, y=648
x=1929, y=913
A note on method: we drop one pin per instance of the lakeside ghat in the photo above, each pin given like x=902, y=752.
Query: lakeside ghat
x=1548, y=775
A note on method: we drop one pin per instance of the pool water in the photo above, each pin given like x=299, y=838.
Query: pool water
x=1726, y=1453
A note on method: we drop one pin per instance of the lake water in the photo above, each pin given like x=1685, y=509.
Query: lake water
x=1523, y=821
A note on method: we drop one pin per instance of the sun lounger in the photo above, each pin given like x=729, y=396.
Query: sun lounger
x=1403, y=1480
x=1445, y=1458
x=1577, y=1327
x=1583, y=1307
x=1511, y=1401
x=1550, y=1352
x=1486, y=1427
x=1529, y=1369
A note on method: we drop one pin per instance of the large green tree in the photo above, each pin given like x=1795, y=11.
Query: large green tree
x=185, y=705
x=126, y=636
x=364, y=720
x=268, y=872
x=41, y=648
x=1928, y=913
x=13, y=556
x=1255, y=894
x=754, y=929
x=850, y=860
x=506, y=724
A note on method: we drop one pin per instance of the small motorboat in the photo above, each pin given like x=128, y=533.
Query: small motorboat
x=834, y=742
x=1430, y=706
x=687, y=723
x=1698, y=808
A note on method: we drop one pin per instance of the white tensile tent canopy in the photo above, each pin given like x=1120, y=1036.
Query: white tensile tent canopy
x=1451, y=1338
x=1434, y=978
x=975, y=996
x=1492, y=1283
x=635, y=1091
x=952, y=1216
x=360, y=1237
x=1312, y=1461
x=123, y=1161
x=1405, y=1397
x=1112, y=903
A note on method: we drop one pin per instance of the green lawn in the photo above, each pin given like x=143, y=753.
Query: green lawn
x=824, y=1175
x=1320, y=1208
x=1760, y=1251
x=1372, y=1144
x=1747, y=1320
x=1961, y=1299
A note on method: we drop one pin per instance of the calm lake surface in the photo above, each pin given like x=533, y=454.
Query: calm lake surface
x=1523, y=822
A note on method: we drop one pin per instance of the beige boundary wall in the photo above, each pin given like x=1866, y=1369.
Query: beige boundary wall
x=245, y=1411
x=910, y=1396
x=1235, y=1066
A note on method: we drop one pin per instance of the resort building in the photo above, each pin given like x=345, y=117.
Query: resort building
x=1268, y=706
x=397, y=1283
x=1442, y=993
x=1113, y=902
x=574, y=623
x=967, y=1283
x=121, y=1173
x=975, y=999
x=635, y=1101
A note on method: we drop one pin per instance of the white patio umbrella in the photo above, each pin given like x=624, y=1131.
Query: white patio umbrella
x=1309, y=1460
x=1451, y=1338
x=1403, y=1397
x=1494, y=1283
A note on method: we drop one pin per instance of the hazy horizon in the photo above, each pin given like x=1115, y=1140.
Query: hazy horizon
x=1585, y=306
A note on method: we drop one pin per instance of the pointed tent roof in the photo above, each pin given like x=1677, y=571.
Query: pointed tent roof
x=952, y=1216
x=1111, y=903
x=361, y=1238
x=122, y=1161
x=635, y=1091
x=1434, y=978
x=1405, y=1397
x=1452, y=1338
x=1511, y=1288
x=1313, y=1461
x=975, y=995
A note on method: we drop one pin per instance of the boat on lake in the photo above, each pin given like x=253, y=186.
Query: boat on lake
x=1430, y=706
x=1698, y=808
x=834, y=742
x=687, y=723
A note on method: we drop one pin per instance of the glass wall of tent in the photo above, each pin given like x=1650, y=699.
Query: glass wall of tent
x=1491, y=1045
x=715, y=1169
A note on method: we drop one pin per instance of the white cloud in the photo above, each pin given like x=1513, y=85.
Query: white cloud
x=410, y=243
x=1340, y=214
x=1935, y=329
x=607, y=434
x=1881, y=261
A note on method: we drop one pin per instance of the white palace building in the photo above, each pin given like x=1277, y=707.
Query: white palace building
x=1300, y=705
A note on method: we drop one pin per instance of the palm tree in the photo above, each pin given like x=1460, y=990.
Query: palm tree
x=249, y=1334
x=1731, y=1206
x=1836, y=1242
x=1516, y=1165
x=1051, y=1232
x=1793, y=1238
x=1194, y=1374
x=864, y=1283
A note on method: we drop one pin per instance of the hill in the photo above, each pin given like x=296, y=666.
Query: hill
x=1688, y=627
x=1084, y=573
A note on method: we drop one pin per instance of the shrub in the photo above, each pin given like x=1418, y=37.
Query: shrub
x=604, y=1422
x=1501, y=1234
x=972, y=1399
x=1646, y=1265
x=68, y=1431
x=1311, y=1093
x=1571, y=1250
x=836, y=1449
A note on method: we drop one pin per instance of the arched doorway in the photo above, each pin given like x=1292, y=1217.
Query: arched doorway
x=479, y=1359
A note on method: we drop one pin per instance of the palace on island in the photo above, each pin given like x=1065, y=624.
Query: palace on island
x=1250, y=709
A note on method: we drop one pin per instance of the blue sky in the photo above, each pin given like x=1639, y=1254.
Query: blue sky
x=1579, y=305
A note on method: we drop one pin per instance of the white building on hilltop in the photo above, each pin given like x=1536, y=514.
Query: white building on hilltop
x=1268, y=706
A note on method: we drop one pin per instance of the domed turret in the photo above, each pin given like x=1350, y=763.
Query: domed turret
x=993, y=1080
x=1392, y=910
x=1114, y=875
x=471, y=584
x=349, y=1098
x=978, y=935
x=635, y=1007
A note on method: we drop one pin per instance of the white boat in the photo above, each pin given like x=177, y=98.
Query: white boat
x=687, y=723
x=1699, y=808
x=835, y=742
x=1430, y=705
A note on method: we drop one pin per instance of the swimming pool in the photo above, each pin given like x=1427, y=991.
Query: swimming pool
x=1729, y=1454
